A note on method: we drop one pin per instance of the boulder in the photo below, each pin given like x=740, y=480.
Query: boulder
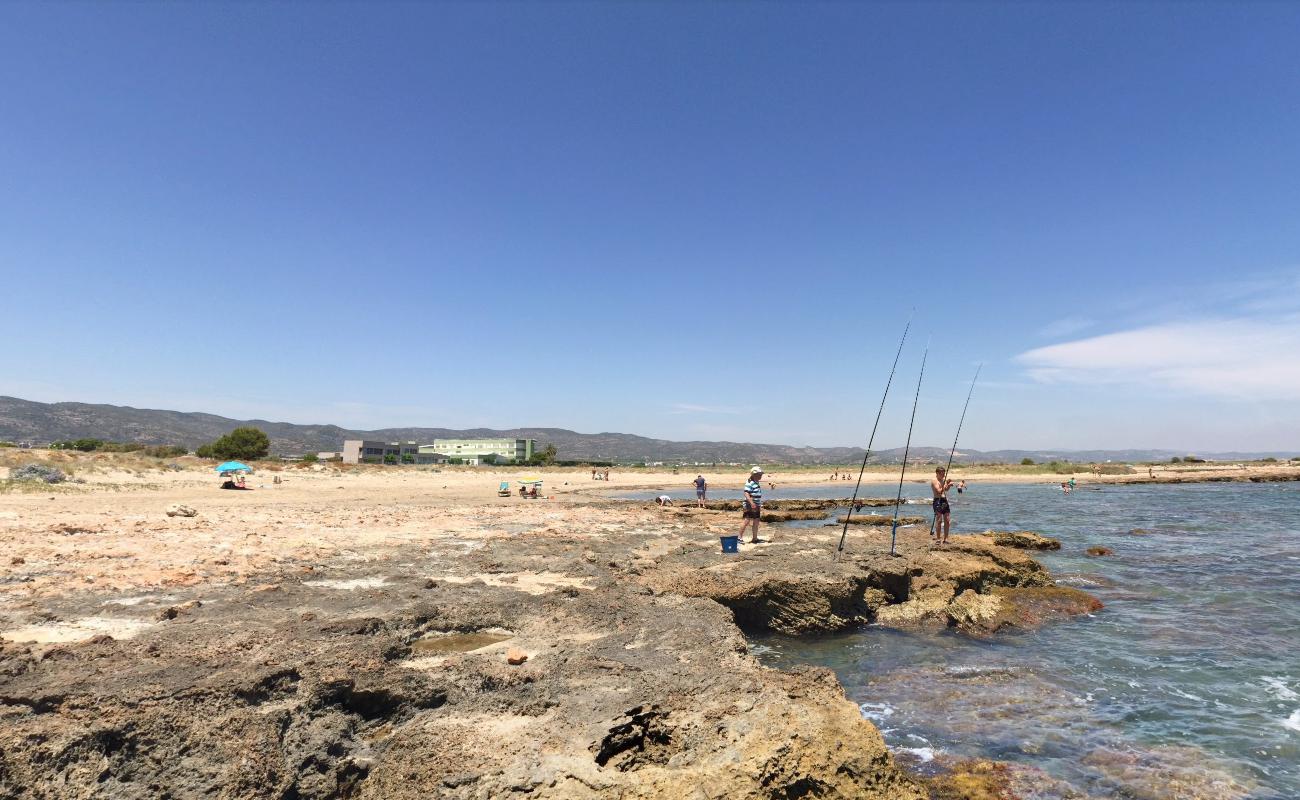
x=1098, y=550
x=926, y=607
x=973, y=610
x=179, y=510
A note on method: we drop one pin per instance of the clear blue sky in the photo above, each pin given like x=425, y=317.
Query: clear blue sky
x=679, y=220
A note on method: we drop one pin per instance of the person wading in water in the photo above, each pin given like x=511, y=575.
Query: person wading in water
x=942, y=512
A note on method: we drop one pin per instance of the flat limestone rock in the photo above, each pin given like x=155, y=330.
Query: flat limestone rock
x=1022, y=540
x=880, y=519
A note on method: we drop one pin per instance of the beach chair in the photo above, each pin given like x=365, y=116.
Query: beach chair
x=504, y=489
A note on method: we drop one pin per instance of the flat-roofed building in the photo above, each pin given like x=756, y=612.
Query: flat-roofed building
x=483, y=451
x=365, y=451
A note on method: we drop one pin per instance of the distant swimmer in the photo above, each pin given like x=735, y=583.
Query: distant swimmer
x=701, y=490
x=942, y=511
x=1071, y=481
x=961, y=487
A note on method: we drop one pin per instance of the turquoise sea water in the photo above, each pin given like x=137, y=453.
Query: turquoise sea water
x=1187, y=685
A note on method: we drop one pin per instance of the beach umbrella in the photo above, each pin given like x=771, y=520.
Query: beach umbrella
x=234, y=466
x=530, y=479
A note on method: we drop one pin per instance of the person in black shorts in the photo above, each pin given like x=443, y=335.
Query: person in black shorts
x=942, y=511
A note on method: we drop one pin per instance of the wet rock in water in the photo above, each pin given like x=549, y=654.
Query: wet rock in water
x=982, y=779
x=1022, y=540
x=1034, y=606
x=797, y=514
x=1140, y=532
x=976, y=779
x=880, y=519
x=516, y=656
x=1098, y=550
x=180, y=510
x=1168, y=771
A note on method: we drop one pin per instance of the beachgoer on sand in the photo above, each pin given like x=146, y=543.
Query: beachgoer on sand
x=701, y=490
x=942, y=511
x=664, y=500
x=753, y=504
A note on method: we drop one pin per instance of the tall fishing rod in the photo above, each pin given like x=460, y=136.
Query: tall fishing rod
x=872, y=440
x=948, y=469
x=898, y=501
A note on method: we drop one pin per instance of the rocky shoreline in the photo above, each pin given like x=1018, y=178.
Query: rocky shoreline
x=347, y=674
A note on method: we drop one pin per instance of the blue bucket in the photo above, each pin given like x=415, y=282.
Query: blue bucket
x=730, y=544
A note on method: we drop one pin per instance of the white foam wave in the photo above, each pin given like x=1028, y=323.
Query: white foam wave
x=876, y=712
x=1186, y=695
x=1278, y=688
x=1293, y=721
x=923, y=754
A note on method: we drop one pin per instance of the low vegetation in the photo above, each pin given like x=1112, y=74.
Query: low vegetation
x=38, y=472
x=102, y=446
x=244, y=444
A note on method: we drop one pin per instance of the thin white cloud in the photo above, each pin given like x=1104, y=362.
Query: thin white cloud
x=1066, y=326
x=1254, y=359
x=694, y=408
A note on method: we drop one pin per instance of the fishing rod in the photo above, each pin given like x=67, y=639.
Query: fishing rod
x=893, y=536
x=948, y=469
x=871, y=441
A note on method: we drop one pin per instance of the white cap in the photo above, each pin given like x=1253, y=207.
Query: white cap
x=756, y=470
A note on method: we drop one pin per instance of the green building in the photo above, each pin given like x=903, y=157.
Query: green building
x=483, y=451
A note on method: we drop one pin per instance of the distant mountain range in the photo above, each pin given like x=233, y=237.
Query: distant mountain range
x=42, y=423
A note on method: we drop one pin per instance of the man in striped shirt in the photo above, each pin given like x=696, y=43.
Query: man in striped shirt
x=753, y=504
